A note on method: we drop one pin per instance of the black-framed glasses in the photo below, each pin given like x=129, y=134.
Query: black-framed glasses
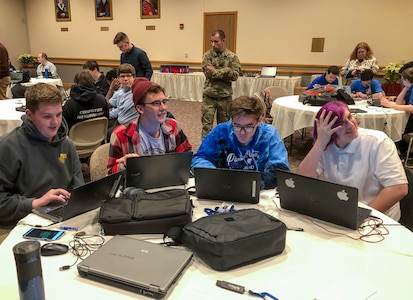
x=157, y=102
x=246, y=128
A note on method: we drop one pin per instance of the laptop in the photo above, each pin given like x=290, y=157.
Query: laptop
x=138, y=266
x=268, y=72
x=227, y=185
x=331, y=202
x=83, y=198
x=156, y=171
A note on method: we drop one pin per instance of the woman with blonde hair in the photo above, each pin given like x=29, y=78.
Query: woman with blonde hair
x=361, y=58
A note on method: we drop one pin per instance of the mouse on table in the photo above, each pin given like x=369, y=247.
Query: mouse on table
x=50, y=249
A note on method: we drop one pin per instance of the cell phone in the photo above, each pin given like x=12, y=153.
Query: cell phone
x=43, y=234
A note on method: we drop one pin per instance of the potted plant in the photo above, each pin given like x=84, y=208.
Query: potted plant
x=27, y=60
x=392, y=76
x=392, y=72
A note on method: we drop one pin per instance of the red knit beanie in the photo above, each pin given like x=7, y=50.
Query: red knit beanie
x=139, y=87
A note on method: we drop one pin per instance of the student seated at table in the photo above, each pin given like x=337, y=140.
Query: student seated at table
x=44, y=65
x=123, y=111
x=244, y=142
x=151, y=133
x=85, y=102
x=38, y=163
x=366, y=86
x=363, y=158
x=404, y=102
x=99, y=79
x=329, y=77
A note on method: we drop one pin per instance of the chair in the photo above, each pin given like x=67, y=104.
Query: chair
x=88, y=135
x=268, y=95
x=98, y=162
x=408, y=138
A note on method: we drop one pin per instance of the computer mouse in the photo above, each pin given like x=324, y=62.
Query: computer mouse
x=50, y=249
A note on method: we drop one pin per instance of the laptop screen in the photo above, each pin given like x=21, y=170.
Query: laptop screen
x=268, y=71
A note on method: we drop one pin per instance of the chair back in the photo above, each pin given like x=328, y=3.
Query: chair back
x=267, y=96
x=88, y=135
x=277, y=91
x=98, y=162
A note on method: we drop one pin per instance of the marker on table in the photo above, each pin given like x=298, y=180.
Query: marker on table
x=68, y=228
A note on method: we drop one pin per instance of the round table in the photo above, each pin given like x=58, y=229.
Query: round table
x=10, y=118
x=290, y=115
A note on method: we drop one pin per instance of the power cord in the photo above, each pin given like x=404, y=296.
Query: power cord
x=83, y=245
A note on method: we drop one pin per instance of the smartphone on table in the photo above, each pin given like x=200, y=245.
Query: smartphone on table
x=43, y=234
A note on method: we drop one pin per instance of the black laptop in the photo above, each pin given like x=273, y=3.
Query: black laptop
x=142, y=267
x=227, y=185
x=331, y=202
x=83, y=198
x=156, y=171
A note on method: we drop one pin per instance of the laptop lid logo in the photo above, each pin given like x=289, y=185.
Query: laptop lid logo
x=342, y=195
x=290, y=183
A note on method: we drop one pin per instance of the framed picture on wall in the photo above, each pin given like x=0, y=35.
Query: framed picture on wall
x=103, y=9
x=62, y=10
x=150, y=9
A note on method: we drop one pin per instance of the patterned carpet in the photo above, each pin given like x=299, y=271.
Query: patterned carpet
x=188, y=115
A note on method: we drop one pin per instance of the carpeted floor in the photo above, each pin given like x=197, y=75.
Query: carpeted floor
x=188, y=115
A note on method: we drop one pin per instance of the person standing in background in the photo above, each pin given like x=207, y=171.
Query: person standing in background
x=4, y=71
x=133, y=55
x=45, y=64
x=221, y=67
x=360, y=59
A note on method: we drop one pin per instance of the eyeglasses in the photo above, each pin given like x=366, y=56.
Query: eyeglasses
x=347, y=121
x=246, y=128
x=157, y=102
x=125, y=75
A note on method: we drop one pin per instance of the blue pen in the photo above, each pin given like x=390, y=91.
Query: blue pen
x=68, y=228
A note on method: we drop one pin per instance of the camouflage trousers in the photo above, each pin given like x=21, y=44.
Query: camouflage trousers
x=209, y=107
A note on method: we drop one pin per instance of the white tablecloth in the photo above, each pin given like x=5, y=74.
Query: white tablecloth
x=191, y=85
x=315, y=264
x=290, y=115
x=52, y=81
x=9, y=117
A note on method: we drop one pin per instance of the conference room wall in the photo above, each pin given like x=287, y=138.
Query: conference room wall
x=269, y=31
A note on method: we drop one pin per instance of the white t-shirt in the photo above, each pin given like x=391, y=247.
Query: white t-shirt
x=149, y=145
x=369, y=163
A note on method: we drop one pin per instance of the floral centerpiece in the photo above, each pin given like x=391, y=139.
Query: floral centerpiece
x=392, y=72
x=27, y=60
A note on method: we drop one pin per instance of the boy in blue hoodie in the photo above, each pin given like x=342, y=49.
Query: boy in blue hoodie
x=244, y=142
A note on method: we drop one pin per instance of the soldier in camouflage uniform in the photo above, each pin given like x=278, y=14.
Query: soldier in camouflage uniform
x=220, y=67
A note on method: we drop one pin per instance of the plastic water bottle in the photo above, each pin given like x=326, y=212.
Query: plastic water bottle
x=29, y=270
x=46, y=73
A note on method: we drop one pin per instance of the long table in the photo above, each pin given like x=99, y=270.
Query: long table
x=35, y=80
x=290, y=115
x=190, y=85
x=316, y=263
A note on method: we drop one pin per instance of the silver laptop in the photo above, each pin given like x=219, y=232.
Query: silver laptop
x=144, y=268
x=227, y=185
x=83, y=198
x=268, y=72
x=156, y=171
x=331, y=202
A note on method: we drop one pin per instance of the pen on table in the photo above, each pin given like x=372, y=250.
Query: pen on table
x=295, y=228
x=68, y=228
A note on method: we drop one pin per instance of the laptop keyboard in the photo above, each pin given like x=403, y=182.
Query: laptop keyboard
x=58, y=211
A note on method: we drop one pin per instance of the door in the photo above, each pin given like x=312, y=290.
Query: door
x=227, y=22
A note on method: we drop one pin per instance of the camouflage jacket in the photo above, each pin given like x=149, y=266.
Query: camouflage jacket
x=228, y=68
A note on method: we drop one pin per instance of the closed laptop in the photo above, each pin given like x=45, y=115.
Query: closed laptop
x=331, y=202
x=142, y=267
x=227, y=185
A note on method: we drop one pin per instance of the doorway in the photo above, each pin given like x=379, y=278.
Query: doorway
x=227, y=22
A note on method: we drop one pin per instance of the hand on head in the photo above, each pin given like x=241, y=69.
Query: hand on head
x=325, y=128
x=52, y=195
